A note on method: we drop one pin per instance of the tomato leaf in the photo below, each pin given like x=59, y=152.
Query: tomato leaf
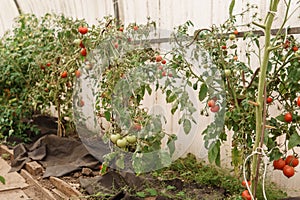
x=187, y=126
x=294, y=140
x=202, y=92
x=2, y=180
x=171, y=98
x=214, y=153
x=120, y=162
x=231, y=7
x=141, y=194
x=107, y=115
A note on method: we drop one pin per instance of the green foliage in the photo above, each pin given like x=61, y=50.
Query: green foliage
x=2, y=180
x=190, y=170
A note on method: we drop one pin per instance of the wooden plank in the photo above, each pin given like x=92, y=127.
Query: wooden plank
x=47, y=195
x=65, y=187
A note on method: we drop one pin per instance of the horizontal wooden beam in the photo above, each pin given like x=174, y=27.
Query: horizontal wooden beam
x=294, y=30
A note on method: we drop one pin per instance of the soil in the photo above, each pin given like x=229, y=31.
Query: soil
x=131, y=189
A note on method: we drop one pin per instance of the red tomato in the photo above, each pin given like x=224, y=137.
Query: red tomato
x=292, y=161
x=269, y=100
x=163, y=62
x=164, y=73
x=224, y=47
x=137, y=127
x=244, y=183
x=298, y=101
x=83, y=30
x=81, y=103
x=121, y=29
x=42, y=67
x=288, y=117
x=288, y=171
x=64, y=74
x=286, y=44
x=158, y=58
x=83, y=52
x=48, y=64
x=279, y=164
x=246, y=195
x=211, y=103
x=295, y=48
x=214, y=109
x=81, y=44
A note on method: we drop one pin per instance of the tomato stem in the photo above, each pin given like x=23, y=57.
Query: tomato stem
x=261, y=85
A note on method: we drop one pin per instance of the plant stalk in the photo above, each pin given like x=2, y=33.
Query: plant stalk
x=261, y=85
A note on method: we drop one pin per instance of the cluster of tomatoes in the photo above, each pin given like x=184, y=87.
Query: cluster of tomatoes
x=214, y=107
x=162, y=62
x=288, y=117
x=82, y=31
x=245, y=194
x=287, y=165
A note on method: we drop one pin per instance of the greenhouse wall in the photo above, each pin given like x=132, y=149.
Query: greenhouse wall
x=167, y=14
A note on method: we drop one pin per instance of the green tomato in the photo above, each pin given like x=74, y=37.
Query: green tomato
x=232, y=36
x=115, y=137
x=227, y=72
x=77, y=41
x=122, y=142
x=131, y=138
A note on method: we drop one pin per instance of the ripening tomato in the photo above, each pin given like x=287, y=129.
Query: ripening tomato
x=235, y=32
x=235, y=58
x=121, y=29
x=64, y=74
x=279, y=164
x=81, y=103
x=288, y=171
x=77, y=73
x=164, y=73
x=160, y=67
x=83, y=30
x=288, y=117
x=170, y=74
x=135, y=28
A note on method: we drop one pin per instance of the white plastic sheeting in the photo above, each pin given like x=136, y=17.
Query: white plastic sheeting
x=166, y=13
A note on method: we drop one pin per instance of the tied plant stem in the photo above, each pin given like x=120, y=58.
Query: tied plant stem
x=261, y=85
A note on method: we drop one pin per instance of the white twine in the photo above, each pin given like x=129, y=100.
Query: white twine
x=265, y=160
